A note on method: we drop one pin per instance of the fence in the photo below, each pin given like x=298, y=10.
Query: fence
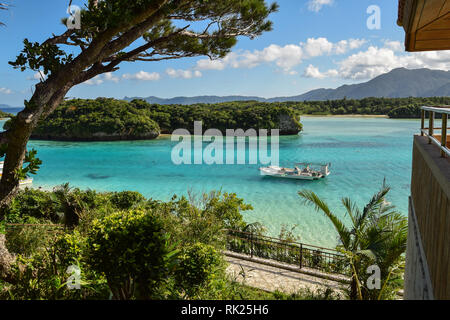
x=440, y=140
x=300, y=254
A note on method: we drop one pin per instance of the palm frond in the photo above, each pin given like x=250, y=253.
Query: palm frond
x=374, y=204
x=351, y=208
x=310, y=198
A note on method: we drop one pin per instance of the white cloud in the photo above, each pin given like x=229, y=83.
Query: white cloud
x=142, y=76
x=394, y=45
x=98, y=80
x=317, y=47
x=185, y=74
x=38, y=76
x=316, y=5
x=313, y=72
x=94, y=81
x=284, y=57
x=376, y=61
x=5, y=91
x=109, y=76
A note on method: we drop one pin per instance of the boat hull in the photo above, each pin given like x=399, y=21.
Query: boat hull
x=275, y=172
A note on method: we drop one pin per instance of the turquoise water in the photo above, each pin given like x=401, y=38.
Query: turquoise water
x=363, y=151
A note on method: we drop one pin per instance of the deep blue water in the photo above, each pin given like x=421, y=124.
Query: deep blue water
x=363, y=151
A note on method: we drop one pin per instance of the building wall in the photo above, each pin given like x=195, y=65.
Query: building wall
x=417, y=277
x=429, y=223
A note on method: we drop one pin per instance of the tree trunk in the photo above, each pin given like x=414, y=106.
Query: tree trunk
x=43, y=102
x=17, y=139
x=6, y=262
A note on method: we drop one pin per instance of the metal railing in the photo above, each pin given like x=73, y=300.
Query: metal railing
x=430, y=131
x=293, y=253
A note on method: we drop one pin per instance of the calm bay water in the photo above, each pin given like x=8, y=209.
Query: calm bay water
x=363, y=151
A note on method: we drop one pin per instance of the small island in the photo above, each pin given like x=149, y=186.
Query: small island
x=106, y=119
x=5, y=115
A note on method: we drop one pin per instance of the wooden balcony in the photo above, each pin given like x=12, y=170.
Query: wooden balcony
x=426, y=23
x=427, y=274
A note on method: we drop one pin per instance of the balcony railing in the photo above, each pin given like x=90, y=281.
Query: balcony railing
x=442, y=140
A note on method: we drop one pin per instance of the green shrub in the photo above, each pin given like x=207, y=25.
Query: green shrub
x=198, y=266
x=29, y=239
x=33, y=203
x=131, y=249
x=126, y=199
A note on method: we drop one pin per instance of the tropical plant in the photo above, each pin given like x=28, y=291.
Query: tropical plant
x=197, y=267
x=376, y=236
x=132, y=249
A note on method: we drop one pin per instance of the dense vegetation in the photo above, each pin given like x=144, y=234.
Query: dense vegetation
x=109, y=119
x=393, y=107
x=130, y=247
x=4, y=114
x=223, y=116
x=100, y=119
x=126, y=246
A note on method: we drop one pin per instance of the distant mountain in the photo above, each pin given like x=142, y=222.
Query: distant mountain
x=198, y=99
x=399, y=83
x=10, y=109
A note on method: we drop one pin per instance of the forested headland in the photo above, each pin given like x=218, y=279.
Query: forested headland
x=109, y=119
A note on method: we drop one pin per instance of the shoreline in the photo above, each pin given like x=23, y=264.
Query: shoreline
x=346, y=116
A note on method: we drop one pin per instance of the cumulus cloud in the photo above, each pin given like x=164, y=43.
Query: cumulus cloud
x=38, y=76
x=394, y=45
x=184, y=74
x=142, y=76
x=109, y=76
x=284, y=57
x=317, y=5
x=376, y=61
x=5, y=91
x=94, y=81
x=313, y=72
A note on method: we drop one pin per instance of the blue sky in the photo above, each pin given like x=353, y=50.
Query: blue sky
x=314, y=44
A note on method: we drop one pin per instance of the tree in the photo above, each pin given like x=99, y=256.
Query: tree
x=170, y=29
x=377, y=236
x=3, y=6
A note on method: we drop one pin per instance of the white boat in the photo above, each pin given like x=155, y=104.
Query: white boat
x=305, y=172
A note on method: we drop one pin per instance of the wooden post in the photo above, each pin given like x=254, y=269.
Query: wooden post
x=301, y=256
x=422, y=125
x=444, y=134
x=431, y=127
x=251, y=244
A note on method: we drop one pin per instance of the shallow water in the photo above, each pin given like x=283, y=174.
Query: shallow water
x=363, y=151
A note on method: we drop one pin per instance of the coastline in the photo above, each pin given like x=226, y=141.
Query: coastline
x=345, y=116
